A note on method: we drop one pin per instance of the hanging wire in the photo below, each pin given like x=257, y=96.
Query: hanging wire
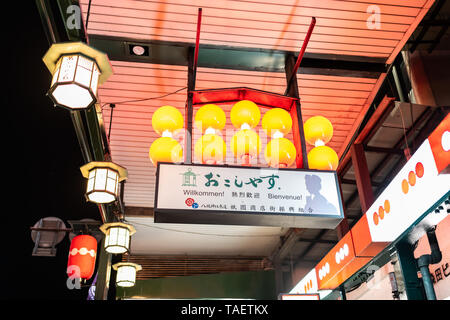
x=408, y=153
x=204, y=234
x=408, y=70
x=144, y=99
x=88, y=13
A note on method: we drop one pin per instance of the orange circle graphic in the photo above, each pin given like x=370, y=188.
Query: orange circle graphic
x=405, y=186
x=387, y=206
x=375, y=218
x=412, y=178
x=420, y=170
x=381, y=212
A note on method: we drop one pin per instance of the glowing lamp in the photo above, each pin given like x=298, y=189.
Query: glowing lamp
x=82, y=255
x=167, y=118
x=210, y=116
x=77, y=71
x=103, y=180
x=210, y=149
x=126, y=273
x=165, y=149
x=245, y=145
x=117, y=236
x=323, y=158
x=276, y=120
x=318, y=130
x=245, y=112
x=165, y=121
x=280, y=153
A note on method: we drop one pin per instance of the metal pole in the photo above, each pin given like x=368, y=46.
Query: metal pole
x=300, y=55
x=197, y=43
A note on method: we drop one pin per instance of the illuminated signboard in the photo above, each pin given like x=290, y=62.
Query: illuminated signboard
x=339, y=264
x=416, y=190
x=247, y=196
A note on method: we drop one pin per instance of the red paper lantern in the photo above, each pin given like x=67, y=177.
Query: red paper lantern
x=82, y=254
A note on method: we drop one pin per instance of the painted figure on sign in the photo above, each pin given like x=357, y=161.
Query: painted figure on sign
x=316, y=202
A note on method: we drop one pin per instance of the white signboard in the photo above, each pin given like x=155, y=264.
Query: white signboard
x=414, y=190
x=247, y=196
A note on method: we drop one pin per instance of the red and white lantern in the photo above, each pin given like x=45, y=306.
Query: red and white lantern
x=82, y=255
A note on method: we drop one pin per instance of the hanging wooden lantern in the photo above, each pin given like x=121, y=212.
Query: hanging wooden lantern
x=82, y=255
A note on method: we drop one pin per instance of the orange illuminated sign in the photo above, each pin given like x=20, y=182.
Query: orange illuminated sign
x=420, y=184
x=339, y=264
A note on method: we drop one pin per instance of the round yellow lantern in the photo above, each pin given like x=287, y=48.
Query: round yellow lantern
x=245, y=112
x=165, y=121
x=245, y=145
x=318, y=130
x=167, y=118
x=323, y=158
x=276, y=120
x=210, y=116
x=210, y=149
x=280, y=153
x=165, y=149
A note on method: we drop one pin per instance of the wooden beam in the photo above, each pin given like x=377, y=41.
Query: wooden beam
x=362, y=174
x=296, y=114
x=383, y=150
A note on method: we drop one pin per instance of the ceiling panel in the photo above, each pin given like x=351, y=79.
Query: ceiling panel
x=343, y=27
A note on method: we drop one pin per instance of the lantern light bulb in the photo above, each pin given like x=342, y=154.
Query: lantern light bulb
x=319, y=143
x=277, y=134
x=316, y=128
x=280, y=153
x=210, y=149
x=210, y=130
x=210, y=116
x=167, y=118
x=245, y=112
x=245, y=145
x=323, y=158
x=276, y=120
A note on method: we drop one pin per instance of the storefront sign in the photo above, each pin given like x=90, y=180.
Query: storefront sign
x=422, y=184
x=339, y=264
x=247, y=196
x=416, y=189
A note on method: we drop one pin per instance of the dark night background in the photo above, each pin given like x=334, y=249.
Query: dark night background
x=42, y=159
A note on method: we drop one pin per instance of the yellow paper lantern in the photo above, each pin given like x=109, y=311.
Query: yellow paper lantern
x=210, y=116
x=210, y=149
x=245, y=111
x=276, y=119
x=280, y=153
x=323, y=158
x=165, y=149
x=245, y=144
x=318, y=130
x=167, y=118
